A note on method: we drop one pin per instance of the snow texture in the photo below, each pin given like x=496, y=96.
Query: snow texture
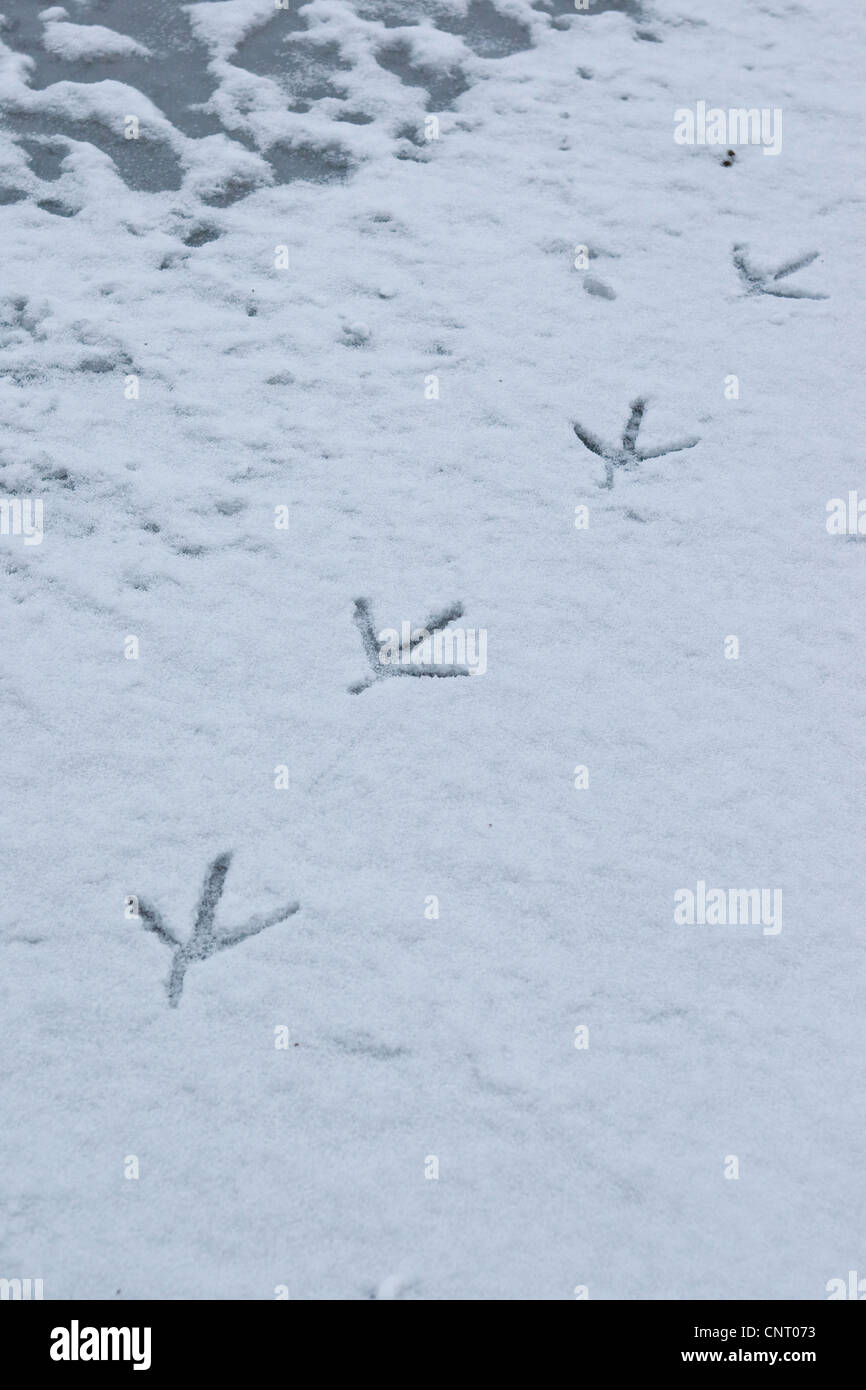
x=169, y=379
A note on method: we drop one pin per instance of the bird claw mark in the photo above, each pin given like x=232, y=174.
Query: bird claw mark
x=204, y=941
x=437, y=622
x=628, y=455
x=761, y=281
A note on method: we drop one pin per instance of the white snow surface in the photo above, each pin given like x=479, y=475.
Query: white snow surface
x=452, y=1038
x=88, y=41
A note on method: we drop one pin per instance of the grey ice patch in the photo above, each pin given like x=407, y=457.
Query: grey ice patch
x=444, y=84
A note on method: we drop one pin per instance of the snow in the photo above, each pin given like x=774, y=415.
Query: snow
x=84, y=41
x=261, y=387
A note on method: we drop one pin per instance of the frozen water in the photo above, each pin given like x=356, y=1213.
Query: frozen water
x=171, y=65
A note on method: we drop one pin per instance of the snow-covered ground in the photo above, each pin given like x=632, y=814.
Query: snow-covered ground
x=244, y=309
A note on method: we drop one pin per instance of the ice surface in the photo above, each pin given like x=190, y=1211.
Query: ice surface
x=156, y=263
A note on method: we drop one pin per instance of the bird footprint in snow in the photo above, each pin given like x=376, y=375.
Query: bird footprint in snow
x=403, y=662
x=205, y=941
x=627, y=455
x=763, y=281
